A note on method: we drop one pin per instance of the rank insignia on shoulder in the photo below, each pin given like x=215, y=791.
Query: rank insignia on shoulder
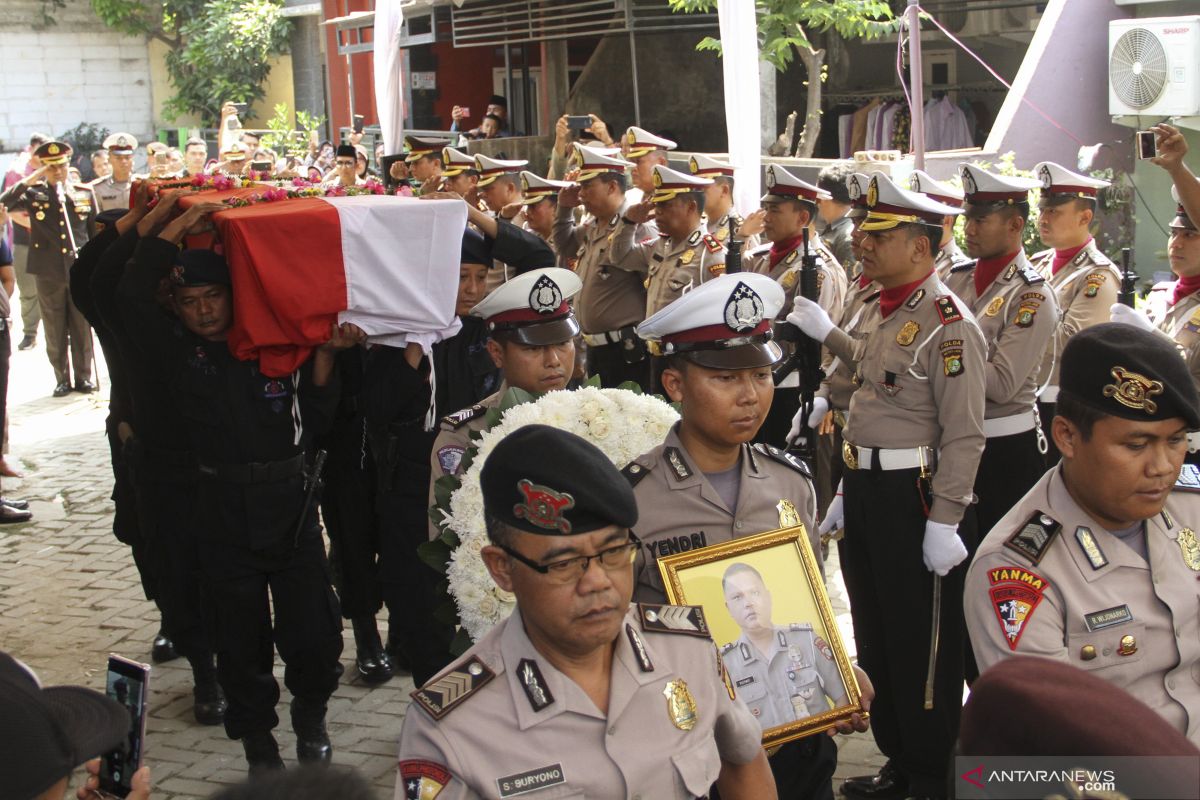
x=1015, y=593
x=439, y=697
x=673, y=619
x=783, y=457
x=534, y=684
x=634, y=473
x=1031, y=276
x=1034, y=537
x=724, y=673
x=694, y=238
x=1189, y=478
x=460, y=418
x=915, y=300
x=678, y=464
x=963, y=266
x=713, y=243
x=947, y=311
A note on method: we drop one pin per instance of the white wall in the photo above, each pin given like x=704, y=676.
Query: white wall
x=75, y=71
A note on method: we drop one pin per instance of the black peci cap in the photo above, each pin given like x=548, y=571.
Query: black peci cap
x=547, y=481
x=346, y=151
x=475, y=249
x=106, y=219
x=1129, y=373
x=199, y=268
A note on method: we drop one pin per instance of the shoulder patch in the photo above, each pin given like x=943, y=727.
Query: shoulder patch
x=1015, y=594
x=673, y=619
x=947, y=310
x=634, y=473
x=963, y=266
x=460, y=418
x=1189, y=478
x=1034, y=538
x=1031, y=276
x=443, y=695
x=784, y=457
x=713, y=243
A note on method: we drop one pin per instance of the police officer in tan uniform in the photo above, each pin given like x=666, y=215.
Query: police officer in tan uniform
x=424, y=159
x=949, y=254
x=61, y=217
x=540, y=202
x=613, y=298
x=914, y=435
x=1097, y=565
x=578, y=693
x=706, y=483
x=112, y=191
x=722, y=219
x=1085, y=282
x=461, y=176
x=684, y=255
x=644, y=151
x=784, y=673
x=532, y=330
x=499, y=188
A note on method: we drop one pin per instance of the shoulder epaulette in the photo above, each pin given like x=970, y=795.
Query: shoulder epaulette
x=634, y=473
x=673, y=619
x=1031, y=276
x=1034, y=538
x=713, y=243
x=448, y=691
x=783, y=457
x=1189, y=478
x=761, y=249
x=947, y=310
x=460, y=418
x=961, y=266
x=1042, y=254
x=728, y=647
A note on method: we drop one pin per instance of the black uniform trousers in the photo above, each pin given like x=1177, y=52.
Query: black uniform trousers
x=5, y=356
x=348, y=510
x=891, y=604
x=126, y=525
x=620, y=362
x=240, y=586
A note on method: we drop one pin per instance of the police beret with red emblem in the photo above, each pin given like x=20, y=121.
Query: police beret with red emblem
x=1130, y=373
x=544, y=480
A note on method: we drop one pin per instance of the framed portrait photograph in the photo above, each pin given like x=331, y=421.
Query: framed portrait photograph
x=767, y=609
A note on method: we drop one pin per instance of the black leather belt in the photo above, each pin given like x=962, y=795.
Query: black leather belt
x=255, y=471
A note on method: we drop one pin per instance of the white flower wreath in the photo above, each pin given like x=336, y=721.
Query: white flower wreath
x=621, y=423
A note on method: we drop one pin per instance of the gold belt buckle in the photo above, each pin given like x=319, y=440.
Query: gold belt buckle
x=850, y=455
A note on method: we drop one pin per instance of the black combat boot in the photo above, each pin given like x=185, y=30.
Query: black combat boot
x=373, y=663
x=208, y=701
x=312, y=740
x=262, y=753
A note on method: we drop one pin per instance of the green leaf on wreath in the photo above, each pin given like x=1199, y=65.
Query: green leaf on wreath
x=450, y=538
x=490, y=420
x=435, y=554
x=632, y=386
x=461, y=643
x=443, y=487
x=593, y=382
x=515, y=397
x=446, y=613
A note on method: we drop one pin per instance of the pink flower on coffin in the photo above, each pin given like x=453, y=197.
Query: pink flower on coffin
x=337, y=190
x=199, y=180
x=375, y=187
x=404, y=191
x=222, y=183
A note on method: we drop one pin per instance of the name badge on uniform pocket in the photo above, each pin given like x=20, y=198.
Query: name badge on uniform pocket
x=531, y=781
x=1099, y=620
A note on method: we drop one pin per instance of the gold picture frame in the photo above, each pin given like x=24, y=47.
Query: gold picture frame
x=789, y=692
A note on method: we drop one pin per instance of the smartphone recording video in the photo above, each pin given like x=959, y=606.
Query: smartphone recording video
x=1146, y=146
x=128, y=683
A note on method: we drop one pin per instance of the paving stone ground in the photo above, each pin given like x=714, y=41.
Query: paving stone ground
x=69, y=595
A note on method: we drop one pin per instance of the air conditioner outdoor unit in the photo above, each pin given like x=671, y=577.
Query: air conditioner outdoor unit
x=1154, y=67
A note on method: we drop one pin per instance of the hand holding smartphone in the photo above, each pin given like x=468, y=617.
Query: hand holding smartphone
x=128, y=682
x=1147, y=147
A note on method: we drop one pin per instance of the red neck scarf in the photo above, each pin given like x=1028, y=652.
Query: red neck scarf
x=1184, y=287
x=890, y=299
x=986, y=270
x=1063, y=257
x=781, y=249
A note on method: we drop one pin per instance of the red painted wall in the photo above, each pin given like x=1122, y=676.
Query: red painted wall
x=362, y=64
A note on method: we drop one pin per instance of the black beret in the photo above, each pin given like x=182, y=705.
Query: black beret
x=1030, y=706
x=475, y=248
x=548, y=481
x=1130, y=373
x=109, y=218
x=346, y=151
x=199, y=268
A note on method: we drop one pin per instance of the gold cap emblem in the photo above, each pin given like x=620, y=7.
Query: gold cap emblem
x=1133, y=390
x=873, y=193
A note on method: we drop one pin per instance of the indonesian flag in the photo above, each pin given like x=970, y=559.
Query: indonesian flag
x=387, y=264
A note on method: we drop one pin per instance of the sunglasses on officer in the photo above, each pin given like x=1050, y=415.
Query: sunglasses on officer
x=569, y=570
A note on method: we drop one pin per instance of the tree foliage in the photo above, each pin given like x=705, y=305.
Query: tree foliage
x=786, y=29
x=218, y=50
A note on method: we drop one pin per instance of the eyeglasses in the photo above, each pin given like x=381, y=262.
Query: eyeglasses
x=570, y=570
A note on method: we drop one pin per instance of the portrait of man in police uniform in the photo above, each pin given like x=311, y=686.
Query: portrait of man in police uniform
x=783, y=673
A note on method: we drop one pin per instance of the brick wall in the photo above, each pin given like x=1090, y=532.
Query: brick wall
x=72, y=72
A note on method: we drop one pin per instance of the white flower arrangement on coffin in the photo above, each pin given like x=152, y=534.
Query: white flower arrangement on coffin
x=623, y=423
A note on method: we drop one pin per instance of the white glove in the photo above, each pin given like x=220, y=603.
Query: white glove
x=835, y=517
x=1119, y=312
x=820, y=408
x=942, y=548
x=810, y=318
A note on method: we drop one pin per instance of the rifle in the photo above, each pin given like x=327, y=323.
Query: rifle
x=1128, y=278
x=733, y=251
x=805, y=357
x=312, y=483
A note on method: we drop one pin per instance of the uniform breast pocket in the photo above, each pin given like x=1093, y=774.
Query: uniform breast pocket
x=752, y=692
x=272, y=399
x=1109, y=649
x=894, y=381
x=698, y=767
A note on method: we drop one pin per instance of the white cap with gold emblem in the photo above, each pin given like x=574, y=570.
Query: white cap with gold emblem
x=724, y=323
x=121, y=144
x=236, y=151
x=532, y=308
x=638, y=142
x=981, y=187
x=1058, y=181
x=888, y=205
x=669, y=183
x=594, y=161
x=856, y=187
x=492, y=168
x=704, y=166
x=925, y=183
x=783, y=185
x=456, y=162
x=537, y=188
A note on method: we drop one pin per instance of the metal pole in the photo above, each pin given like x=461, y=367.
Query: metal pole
x=526, y=90
x=637, y=105
x=508, y=95
x=917, y=84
